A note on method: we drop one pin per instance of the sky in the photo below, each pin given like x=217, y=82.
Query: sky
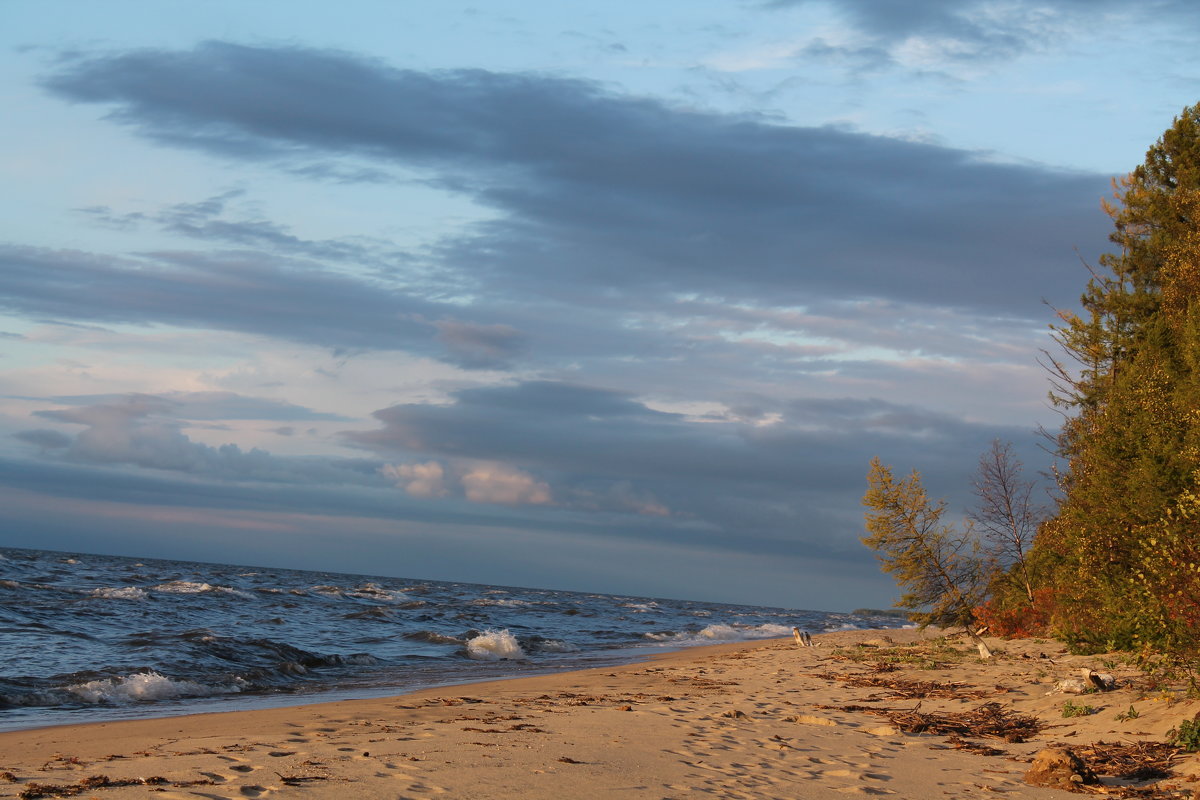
x=609, y=297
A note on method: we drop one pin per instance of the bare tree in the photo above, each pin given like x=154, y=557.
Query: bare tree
x=1005, y=511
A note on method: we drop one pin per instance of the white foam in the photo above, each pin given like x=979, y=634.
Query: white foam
x=192, y=587
x=495, y=646
x=127, y=593
x=143, y=686
x=558, y=646
x=510, y=602
x=724, y=633
x=372, y=591
x=641, y=608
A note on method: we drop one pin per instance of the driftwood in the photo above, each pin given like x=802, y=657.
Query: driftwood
x=988, y=721
x=1135, y=761
x=34, y=790
x=908, y=690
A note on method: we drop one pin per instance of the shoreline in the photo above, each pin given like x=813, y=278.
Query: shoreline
x=198, y=706
x=759, y=719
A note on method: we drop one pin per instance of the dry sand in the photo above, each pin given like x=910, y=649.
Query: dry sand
x=740, y=720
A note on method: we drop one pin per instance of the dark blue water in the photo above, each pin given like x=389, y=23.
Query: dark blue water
x=88, y=637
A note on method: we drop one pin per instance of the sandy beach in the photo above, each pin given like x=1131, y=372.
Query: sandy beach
x=763, y=719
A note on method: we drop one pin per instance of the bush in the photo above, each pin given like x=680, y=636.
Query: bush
x=1017, y=619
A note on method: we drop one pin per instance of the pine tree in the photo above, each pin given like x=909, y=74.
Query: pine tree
x=1131, y=436
x=941, y=569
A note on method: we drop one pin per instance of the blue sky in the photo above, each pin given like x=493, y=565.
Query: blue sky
x=616, y=297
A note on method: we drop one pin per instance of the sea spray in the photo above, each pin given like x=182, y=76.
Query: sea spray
x=495, y=646
x=142, y=687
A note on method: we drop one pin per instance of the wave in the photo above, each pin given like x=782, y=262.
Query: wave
x=143, y=687
x=126, y=593
x=432, y=637
x=373, y=591
x=495, y=646
x=194, y=587
x=374, y=612
x=641, y=608
x=722, y=633
x=510, y=602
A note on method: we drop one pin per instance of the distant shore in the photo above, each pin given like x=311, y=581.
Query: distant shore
x=763, y=719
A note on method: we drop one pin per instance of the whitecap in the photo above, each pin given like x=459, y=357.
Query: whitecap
x=193, y=587
x=142, y=687
x=557, y=646
x=641, y=608
x=495, y=646
x=372, y=591
x=723, y=633
x=126, y=593
x=509, y=602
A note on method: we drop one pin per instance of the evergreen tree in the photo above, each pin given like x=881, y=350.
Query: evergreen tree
x=1131, y=440
x=941, y=569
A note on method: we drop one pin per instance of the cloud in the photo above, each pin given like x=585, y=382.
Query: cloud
x=209, y=220
x=419, y=480
x=934, y=32
x=45, y=439
x=505, y=485
x=208, y=405
x=142, y=431
x=248, y=292
x=791, y=472
x=480, y=346
x=602, y=195
x=480, y=482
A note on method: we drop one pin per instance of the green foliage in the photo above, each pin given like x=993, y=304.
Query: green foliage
x=940, y=568
x=1070, y=709
x=1125, y=716
x=1123, y=548
x=1186, y=735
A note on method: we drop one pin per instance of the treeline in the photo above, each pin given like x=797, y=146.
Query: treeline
x=1115, y=562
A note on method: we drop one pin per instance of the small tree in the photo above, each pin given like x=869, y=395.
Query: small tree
x=940, y=568
x=1005, y=511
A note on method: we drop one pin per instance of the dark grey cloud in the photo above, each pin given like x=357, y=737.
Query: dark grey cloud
x=45, y=439
x=143, y=431
x=602, y=193
x=243, y=291
x=752, y=486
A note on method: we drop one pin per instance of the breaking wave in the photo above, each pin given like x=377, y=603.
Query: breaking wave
x=722, y=633
x=142, y=687
x=127, y=593
x=193, y=587
x=495, y=646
